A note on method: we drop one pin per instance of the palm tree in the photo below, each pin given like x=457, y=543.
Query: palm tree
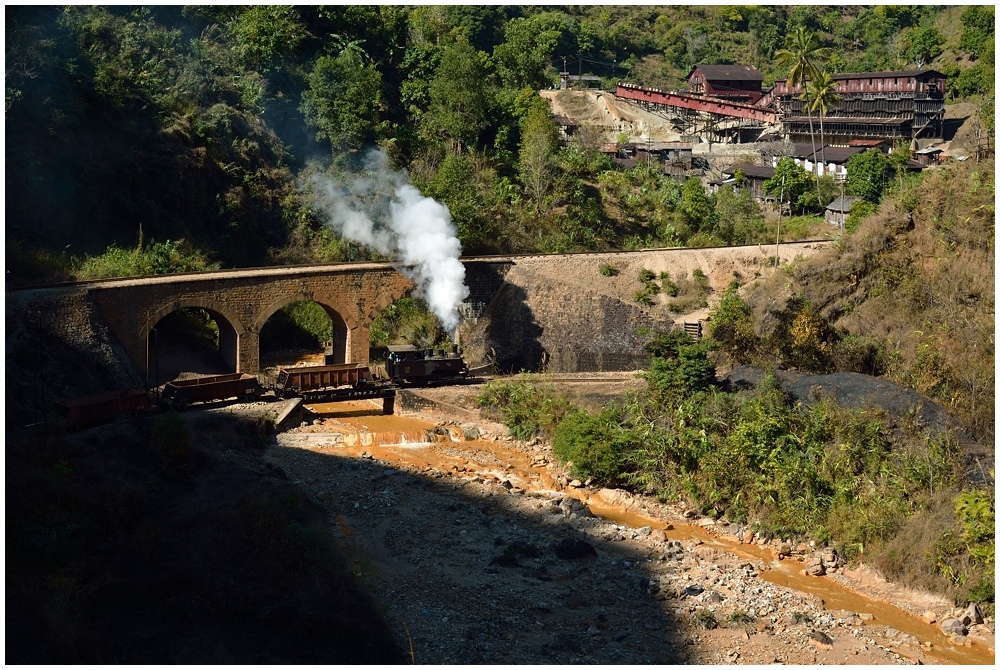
x=822, y=95
x=803, y=53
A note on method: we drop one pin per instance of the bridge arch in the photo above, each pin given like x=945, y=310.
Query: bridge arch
x=230, y=330
x=344, y=325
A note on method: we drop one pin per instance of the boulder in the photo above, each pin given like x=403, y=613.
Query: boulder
x=693, y=590
x=972, y=615
x=820, y=640
x=471, y=431
x=953, y=626
x=814, y=566
x=575, y=550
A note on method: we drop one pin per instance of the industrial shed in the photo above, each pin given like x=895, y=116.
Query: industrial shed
x=739, y=83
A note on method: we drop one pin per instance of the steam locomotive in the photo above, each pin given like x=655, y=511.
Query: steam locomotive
x=408, y=366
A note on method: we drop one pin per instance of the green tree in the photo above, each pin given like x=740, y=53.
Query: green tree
x=525, y=56
x=866, y=173
x=802, y=54
x=460, y=96
x=790, y=182
x=695, y=207
x=537, y=164
x=739, y=217
x=344, y=101
x=978, y=31
x=680, y=366
x=731, y=324
x=922, y=44
x=266, y=34
x=822, y=92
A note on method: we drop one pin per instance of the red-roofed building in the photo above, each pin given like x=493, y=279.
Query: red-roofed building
x=739, y=83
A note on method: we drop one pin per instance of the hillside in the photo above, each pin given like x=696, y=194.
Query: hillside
x=149, y=140
x=915, y=283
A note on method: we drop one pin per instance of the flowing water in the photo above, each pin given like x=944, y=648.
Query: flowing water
x=415, y=443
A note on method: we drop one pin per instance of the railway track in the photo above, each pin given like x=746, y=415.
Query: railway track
x=378, y=264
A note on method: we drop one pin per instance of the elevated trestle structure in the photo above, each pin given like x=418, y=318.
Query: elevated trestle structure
x=698, y=114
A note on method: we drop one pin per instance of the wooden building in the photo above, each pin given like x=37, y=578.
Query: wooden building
x=737, y=83
x=755, y=175
x=836, y=212
x=873, y=105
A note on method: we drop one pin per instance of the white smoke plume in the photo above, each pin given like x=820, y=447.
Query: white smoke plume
x=381, y=209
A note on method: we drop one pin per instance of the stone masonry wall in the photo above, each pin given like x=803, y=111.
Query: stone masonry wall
x=562, y=314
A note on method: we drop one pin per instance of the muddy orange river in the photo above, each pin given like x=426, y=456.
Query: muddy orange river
x=404, y=440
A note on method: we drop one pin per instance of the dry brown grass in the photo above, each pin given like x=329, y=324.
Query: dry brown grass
x=919, y=277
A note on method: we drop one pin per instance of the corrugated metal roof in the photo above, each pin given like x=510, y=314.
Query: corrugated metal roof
x=666, y=146
x=881, y=75
x=885, y=75
x=803, y=149
x=838, y=154
x=843, y=203
x=728, y=72
x=755, y=171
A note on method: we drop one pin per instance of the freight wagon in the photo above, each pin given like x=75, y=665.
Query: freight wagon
x=180, y=393
x=102, y=407
x=296, y=381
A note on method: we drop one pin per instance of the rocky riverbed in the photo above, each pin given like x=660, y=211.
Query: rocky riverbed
x=480, y=549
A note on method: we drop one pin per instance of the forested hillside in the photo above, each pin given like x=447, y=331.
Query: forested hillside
x=159, y=139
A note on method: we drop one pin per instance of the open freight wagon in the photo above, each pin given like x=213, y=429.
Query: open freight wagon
x=179, y=393
x=101, y=407
x=296, y=381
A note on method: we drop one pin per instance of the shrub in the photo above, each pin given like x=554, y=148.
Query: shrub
x=643, y=297
x=679, y=367
x=706, y=619
x=591, y=443
x=155, y=259
x=646, y=276
x=170, y=437
x=608, y=270
x=731, y=324
x=740, y=617
x=669, y=287
x=526, y=409
x=977, y=517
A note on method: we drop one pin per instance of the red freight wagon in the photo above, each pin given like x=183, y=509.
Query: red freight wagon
x=103, y=406
x=179, y=393
x=293, y=381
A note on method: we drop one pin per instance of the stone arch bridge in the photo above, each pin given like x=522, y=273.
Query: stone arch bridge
x=240, y=302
